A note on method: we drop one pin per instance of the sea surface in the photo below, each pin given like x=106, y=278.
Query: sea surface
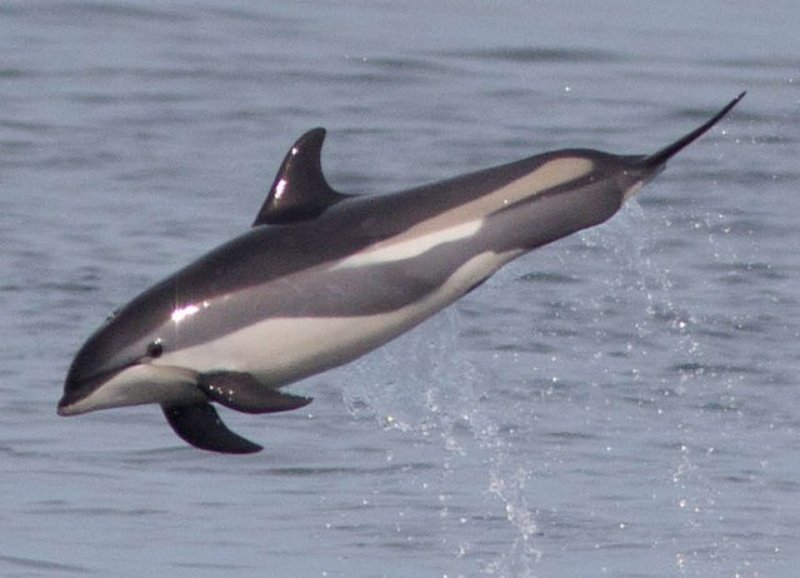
x=621, y=403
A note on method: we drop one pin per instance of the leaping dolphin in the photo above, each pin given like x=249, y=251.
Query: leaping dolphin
x=322, y=278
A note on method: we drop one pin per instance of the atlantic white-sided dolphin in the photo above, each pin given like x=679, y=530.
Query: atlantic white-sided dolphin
x=322, y=278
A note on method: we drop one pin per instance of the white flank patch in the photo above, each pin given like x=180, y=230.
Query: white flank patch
x=401, y=247
x=281, y=350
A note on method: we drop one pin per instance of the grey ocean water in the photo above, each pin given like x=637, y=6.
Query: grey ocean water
x=621, y=403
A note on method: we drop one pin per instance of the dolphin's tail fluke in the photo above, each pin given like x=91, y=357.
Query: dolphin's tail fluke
x=657, y=159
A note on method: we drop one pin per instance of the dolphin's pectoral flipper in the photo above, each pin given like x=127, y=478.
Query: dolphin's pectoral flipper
x=200, y=425
x=243, y=392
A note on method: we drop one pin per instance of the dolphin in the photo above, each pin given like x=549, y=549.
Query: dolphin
x=323, y=277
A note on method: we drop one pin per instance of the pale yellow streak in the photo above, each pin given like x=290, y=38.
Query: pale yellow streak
x=465, y=220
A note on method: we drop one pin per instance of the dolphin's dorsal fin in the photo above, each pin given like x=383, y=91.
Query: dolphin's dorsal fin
x=300, y=191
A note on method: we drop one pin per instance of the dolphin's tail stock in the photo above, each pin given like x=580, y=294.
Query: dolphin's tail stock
x=659, y=158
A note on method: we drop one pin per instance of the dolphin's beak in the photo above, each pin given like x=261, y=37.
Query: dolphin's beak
x=66, y=405
x=63, y=405
x=64, y=408
x=77, y=389
x=133, y=384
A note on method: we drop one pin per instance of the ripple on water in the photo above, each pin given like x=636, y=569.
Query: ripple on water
x=41, y=565
x=539, y=55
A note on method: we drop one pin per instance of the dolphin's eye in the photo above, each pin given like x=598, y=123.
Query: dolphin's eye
x=155, y=349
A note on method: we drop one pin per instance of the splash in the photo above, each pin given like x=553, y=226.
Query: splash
x=425, y=387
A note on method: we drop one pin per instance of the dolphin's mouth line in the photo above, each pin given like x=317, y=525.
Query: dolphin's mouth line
x=77, y=390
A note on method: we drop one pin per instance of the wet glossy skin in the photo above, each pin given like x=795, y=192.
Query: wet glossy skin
x=322, y=278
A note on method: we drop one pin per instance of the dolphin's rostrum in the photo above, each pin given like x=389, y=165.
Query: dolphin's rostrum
x=322, y=278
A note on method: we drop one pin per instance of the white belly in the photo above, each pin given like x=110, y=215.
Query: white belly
x=278, y=351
